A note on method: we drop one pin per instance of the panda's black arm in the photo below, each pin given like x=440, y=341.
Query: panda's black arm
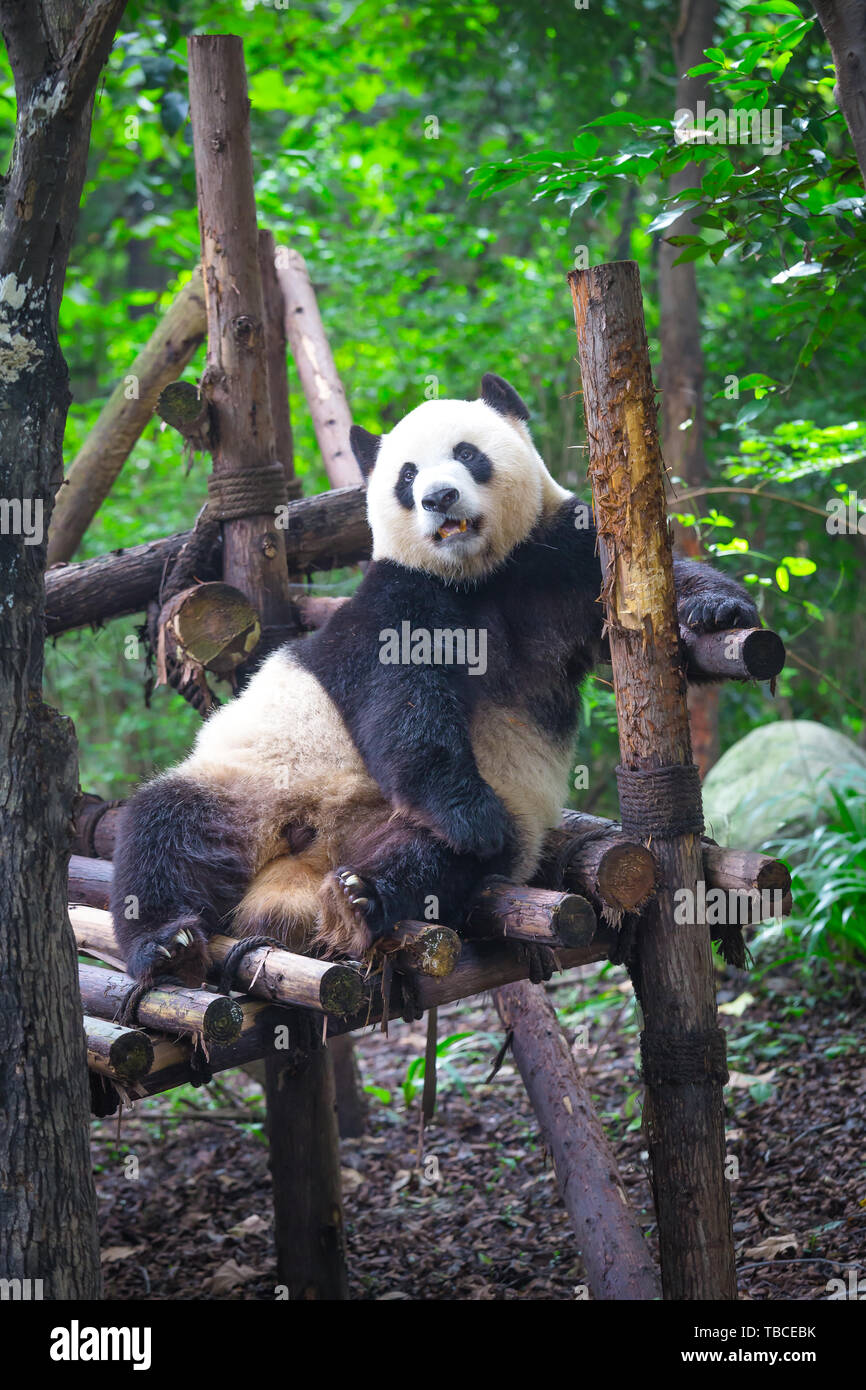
x=409, y=722
x=707, y=600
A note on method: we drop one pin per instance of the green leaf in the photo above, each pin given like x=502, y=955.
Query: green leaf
x=783, y=579
x=670, y=215
x=796, y=564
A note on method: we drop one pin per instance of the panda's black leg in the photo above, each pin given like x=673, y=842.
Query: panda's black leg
x=406, y=874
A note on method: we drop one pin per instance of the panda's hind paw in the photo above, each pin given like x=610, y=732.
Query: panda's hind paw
x=179, y=948
x=352, y=914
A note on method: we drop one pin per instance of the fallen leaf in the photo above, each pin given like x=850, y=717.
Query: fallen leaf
x=741, y=1080
x=113, y=1253
x=250, y=1226
x=228, y=1276
x=771, y=1247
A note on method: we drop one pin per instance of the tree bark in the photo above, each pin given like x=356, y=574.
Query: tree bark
x=615, y=1255
x=681, y=376
x=124, y=416
x=683, y=1049
x=48, y=1211
x=844, y=23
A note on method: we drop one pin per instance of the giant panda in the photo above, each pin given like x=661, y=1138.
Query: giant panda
x=344, y=790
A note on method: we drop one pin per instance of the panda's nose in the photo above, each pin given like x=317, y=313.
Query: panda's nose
x=440, y=499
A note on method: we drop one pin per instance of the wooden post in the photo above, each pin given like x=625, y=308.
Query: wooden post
x=682, y=1048
x=305, y=1159
x=615, y=1255
x=305, y=1169
x=275, y=353
x=236, y=378
x=315, y=363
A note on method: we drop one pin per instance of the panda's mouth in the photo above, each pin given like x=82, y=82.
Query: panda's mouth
x=456, y=526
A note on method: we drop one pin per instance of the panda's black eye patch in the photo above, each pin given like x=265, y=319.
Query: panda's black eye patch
x=403, y=490
x=471, y=457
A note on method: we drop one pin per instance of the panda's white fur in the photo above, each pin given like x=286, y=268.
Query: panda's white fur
x=524, y=491
x=283, y=751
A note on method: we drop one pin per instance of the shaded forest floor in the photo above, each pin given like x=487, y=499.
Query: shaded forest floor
x=194, y=1219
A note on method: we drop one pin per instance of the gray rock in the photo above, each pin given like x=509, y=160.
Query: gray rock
x=778, y=776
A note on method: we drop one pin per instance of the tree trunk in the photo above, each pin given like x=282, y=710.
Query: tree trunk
x=48, y=1211
x=681, y=1045
x=681, y=376
x=844, y=23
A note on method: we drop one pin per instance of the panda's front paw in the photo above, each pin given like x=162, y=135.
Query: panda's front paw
x=179, y=948
x=715, y=612
x=480, y=825
x=352, y=915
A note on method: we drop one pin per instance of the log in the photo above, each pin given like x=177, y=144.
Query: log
x=673, y=969
x=324, y=532
x=275, y=359
x=315, y=364
x=170, y=1008
x=264, y=1029
x=182, y=406
x=738, y=654
x=121, y=1054
x=732, y=870
x=208, y=626
x=235, y=382
x=124, y=417
x=266, y=973
x=617, y=875
x=614, y=1253
x=421, y=947
x=534, y=915
x=288, y=978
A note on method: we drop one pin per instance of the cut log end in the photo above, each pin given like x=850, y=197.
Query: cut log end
x=341, y=991
x=573, y=920
x=434, y=951
x=223, y=1020
x=626, y=876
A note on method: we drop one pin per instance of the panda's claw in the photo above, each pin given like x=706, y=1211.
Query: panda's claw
x=163, y=950
x=360, y=902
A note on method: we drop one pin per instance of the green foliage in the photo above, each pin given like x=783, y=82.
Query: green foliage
x=828, y=874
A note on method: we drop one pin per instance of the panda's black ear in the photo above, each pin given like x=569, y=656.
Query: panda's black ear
x=501, y=397
x=365, y=447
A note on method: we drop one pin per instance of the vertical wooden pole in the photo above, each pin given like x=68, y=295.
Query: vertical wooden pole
x=673, y=972
x=236, y=378
x=275, y=356
x=304, y=1143
x=241, y=377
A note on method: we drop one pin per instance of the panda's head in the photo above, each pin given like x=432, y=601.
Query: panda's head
x=456, y=485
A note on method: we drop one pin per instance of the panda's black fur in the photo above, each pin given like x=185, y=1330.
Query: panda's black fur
x=183, y=857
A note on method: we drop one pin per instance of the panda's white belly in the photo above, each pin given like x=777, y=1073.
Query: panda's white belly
x=528, y=771
x=283, y=752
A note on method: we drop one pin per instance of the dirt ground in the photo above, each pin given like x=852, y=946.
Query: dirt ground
x=185, y=1191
